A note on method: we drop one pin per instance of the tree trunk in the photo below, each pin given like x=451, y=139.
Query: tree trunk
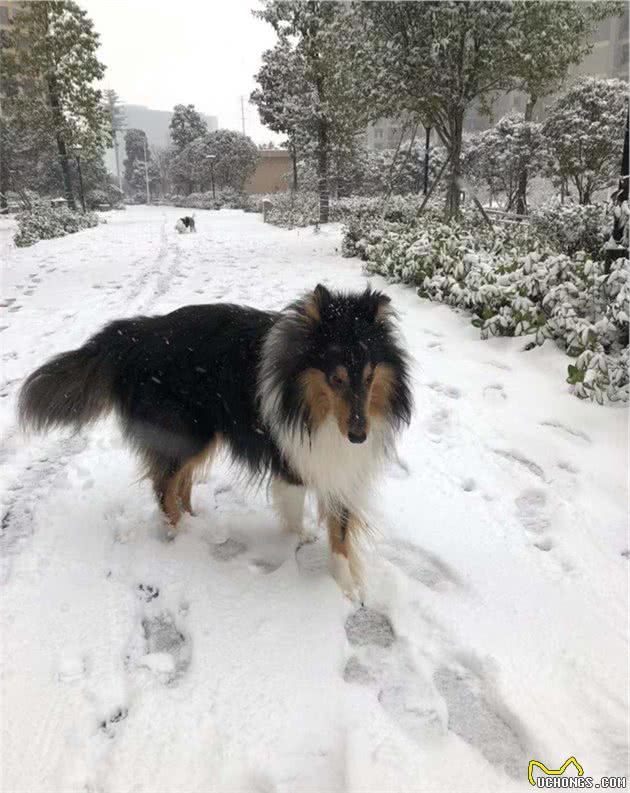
x=294, y=164
x=322, y=171
x=55, y=107
x=61, y=144
x=5, y=177
x=456, y=128
x=521, y=190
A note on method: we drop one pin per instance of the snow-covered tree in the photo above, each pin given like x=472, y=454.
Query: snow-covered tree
x=328, y=116
x=50, y=65
x=235, y=158
x=137, y=148
x=432, y=61
x=116, y=118
x=283, y=98
x=498, y=156
x=557, y=34
x=584, y=132
x=163, y=157
x=186, y=125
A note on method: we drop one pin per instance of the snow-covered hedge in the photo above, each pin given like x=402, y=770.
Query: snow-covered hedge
x=514, y=284
x=302, y=208
x=43, y=222
x=573, y=227
x=228, y=198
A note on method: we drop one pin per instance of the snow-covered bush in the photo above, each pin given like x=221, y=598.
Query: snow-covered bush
x=584, y=133
x=94, y=198
x=570, y=228
x=499, y=156
x=292, y=209
x=302, y=209
x=514, y=284
x=44, y=222
x=227, y=197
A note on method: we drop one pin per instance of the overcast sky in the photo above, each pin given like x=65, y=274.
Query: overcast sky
x=203, y=52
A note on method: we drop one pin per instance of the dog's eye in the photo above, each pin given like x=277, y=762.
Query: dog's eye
x=336, y=380
x=369, y=378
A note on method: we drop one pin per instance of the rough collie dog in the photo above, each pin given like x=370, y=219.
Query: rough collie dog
x=185, y=223
x=309, y=398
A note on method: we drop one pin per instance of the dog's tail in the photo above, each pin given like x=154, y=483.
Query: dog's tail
x=70, y=390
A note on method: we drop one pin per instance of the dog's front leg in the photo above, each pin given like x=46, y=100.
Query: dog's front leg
x=289, y=502
x=343, y=527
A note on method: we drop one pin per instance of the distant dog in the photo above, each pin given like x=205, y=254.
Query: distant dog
x=186, y=223
x=308, y=398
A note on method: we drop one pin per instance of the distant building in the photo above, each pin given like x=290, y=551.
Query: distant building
x=609, y=58
x=8, y=9
x=155, y=123
x=272, y=174
x=385, y=134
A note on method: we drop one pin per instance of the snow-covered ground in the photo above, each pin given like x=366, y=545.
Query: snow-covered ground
x=494, y=625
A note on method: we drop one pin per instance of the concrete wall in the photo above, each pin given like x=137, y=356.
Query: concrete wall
x=272, y=174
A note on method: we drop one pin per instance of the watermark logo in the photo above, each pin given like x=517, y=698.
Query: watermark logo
x=551, y=772
x=570, y=775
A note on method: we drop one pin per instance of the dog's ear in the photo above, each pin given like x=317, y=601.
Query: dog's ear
x=380, y=305
x=315, y=303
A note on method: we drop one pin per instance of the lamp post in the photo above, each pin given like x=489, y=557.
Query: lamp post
x=211, y=158
x=77, y=155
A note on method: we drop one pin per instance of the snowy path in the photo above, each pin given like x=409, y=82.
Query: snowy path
x=494, y=630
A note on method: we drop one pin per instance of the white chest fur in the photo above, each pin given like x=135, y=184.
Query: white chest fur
x=337, y=470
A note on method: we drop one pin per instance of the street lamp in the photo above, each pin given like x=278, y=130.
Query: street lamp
x=212, y=158
x=77, y=155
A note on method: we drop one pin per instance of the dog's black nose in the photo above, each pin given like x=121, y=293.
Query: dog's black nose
x=357, y=437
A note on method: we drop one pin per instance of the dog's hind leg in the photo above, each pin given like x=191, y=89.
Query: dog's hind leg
x=166, y=483
x=289, y=502
x=186, y=474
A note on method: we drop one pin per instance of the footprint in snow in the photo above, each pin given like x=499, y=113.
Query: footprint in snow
x=382, y=663
x=520, y=459
x=475, y=716
x=419, y=564
x=438, y=425
x=167, y=650
x=566, y=430
x=494, y=392
x=227, y=550
x=108, y=724
x=531, y=509
x=447, y=390
x=146, y=592
x=367, y=627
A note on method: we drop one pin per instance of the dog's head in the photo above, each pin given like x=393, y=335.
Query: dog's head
x=337, y=354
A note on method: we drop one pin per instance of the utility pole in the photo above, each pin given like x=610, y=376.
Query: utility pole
x=242, y=115
x=146, y=168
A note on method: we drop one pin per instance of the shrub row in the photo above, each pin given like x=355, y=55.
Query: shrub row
x=226, y=198
x=43, y=222
x=515, y=282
